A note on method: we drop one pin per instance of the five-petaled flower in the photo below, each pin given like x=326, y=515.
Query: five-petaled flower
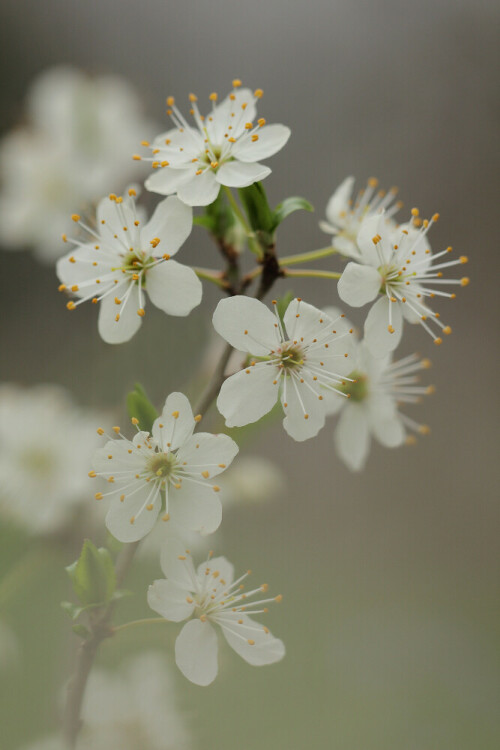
x=377, y=387
x=398, y=265
x=209, y=596
x=127, y=258
x=168, y=471
x=223, y=148
x=344, y=215
x=295, y=360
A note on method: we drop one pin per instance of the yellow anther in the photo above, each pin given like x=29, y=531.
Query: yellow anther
x=98, y=495
x=430, y=390
x=390, y=329
x=258, y=93
x=463, y=259
x=426, y=363
x=213, y=97
x=170, y=101
x=64, y=238
x=372, y=182
x=424, y=429
x=75, y=217
x=435, y=217
x=146, y=144
x=447, y=330
x=415, y=212
x=205, y=474
x=134, y=421
x=464, y=281
x=136, y=157
x=132, y=520
x=236, y=83
x=92, y=474
x=261, y=122
x=166, y=517
x=70, y=305
x=248, y=126
x=255, y=137
x=198, y=418
x=222, y=466
x=155, y=164
x=193, y=98
x=117, y=317
x=141, y=312
x=216, y=488
x=155, y=241
x=117, y=301
x=175, y=414
x=100, y=431
x=306, y=416
x=149, y=507
x=131, y=191
x=438, y=341
x=165, y=256
x=135, y=277
x=232, y=140
x=61, y=287
x=264, y=587
x=278, y=598
x=251, y=642
x=199, y=171
x=214, y=164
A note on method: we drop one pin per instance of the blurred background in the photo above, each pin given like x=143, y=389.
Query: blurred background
x=390, y=577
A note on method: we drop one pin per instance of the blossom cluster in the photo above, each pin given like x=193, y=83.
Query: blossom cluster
x=290, y=357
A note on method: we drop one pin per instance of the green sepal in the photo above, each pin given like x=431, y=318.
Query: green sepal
x=287, y=207
x=283, y=303
x=73, y=610
x=93, y=575
x=260, y=217
x=140, y=407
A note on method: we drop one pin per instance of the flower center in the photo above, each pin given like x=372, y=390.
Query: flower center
x=291, y=358
x=357, y=390
x=136, y=264
x=390, y=276
x=162, y=465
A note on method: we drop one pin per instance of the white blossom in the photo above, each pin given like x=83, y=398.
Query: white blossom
x=132, y=709
x=46, y=443
x=344, y=214
x=75, y=148
x=128, y=259
x=209, y=596
x=253, y=479
x=167, y=472
x=221, y=148
x=376, y=389
x=397, y=267
x=294, y=362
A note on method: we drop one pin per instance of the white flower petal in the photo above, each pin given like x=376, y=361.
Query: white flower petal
x=219, y=565
x=359, y=284
x=209, y=454
x=134, y=506
x=166, y=180
x=235, y=315
x=195, y=507
x=171, y=223
x=81, y=272
x=338, y=205
x=241, y=174
x=174, y=288
x=201, y=190
x=390, y=432
x=271, y=139
x=370, y=227
x=249, y=394
x=305, y=321
x=170, y=601
x=177, y=564
x=118, y=331
x=352, y=436
x=176, y=424
x=196, y=652
x=378, y=339
x=305, y=413
x=251, y=640
x=220, y=118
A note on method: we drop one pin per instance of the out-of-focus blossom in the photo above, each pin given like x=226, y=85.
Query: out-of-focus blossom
x=128, y=257
x=294, y=363
x=172, y=469
x=223, y=148
x=396, y=267
x=209, y=596
x=132, y=709
x=46, y=444
x=375, y=389
x=252, y=479
x=345, y=214
x=75, y=147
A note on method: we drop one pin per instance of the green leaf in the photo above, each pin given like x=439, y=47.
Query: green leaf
x=93, y=576
x=259, y=214
x=140, y=407
x=287, y=207
x=71, y=609
x=205, y=221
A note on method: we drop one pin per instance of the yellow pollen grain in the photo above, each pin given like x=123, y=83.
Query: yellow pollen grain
x=92, y=474
x=258, y=93
x=205, y=474
x=175, y=414
x=248, y=126
x=236, y=83
x=141, y=312
x=278, y=598
x=213, y=97
x=70, y=305
x=98, y=495
x=438, y=341
x=447, y=330
x=464, y=281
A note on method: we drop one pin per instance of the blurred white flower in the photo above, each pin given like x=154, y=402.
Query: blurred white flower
x=125, y=258
x=214, y=598
x=76, y=147
x=398, y=265
x=171, y=463
x=344, y=214
x=46, y=444
x=252, y=479
x=224, y=148
x=132, y=709
x=376, y=389
x=294, y=363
